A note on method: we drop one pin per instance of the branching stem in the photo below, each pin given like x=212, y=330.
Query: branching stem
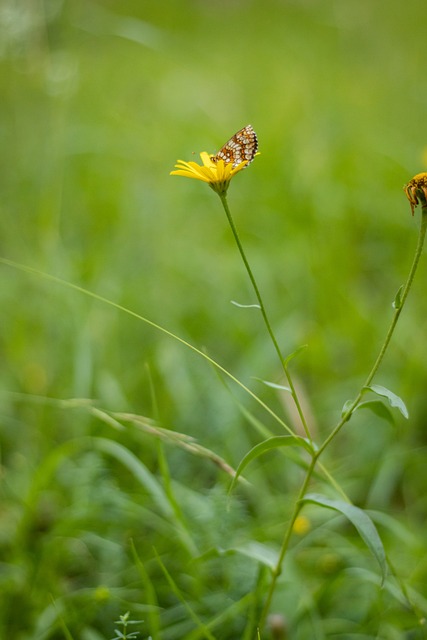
x=345, y=418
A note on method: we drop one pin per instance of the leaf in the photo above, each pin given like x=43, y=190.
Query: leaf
x=397, y=302
x=137, y=469
x=245, y=306
x=273, y=385
x=379, y=408
x=181, y=595
x=346, y=407
x=292, y=355
x=393, y=399
x=376, y=406
x=363, y=523
x=259, y=552
x=268, y=445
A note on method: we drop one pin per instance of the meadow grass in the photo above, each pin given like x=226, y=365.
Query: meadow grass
x=131, y=388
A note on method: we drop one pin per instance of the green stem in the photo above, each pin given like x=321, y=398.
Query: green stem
x=285, y=543
x=298, y=504
x=264, y=313
x=418, y=252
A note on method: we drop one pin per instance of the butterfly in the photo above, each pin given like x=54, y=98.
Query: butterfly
x=241, y=147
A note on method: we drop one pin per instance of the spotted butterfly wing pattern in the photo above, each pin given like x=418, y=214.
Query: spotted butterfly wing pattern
x=241, y=147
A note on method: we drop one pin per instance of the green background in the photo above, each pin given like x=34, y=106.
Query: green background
x=98, y=101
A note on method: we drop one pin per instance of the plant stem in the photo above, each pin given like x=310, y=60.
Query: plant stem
x=285, y=543
x=298, y=503
x=418, y=252
x=264, y=314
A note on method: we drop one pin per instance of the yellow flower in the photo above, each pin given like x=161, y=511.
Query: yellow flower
x=302, y=525
x=416, y=190
x=102, y=593
x=217, y=174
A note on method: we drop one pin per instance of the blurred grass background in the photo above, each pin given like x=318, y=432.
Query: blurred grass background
x=98, y=101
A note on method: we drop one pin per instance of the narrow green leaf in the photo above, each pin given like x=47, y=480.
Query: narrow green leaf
x=153, y=609
x=259, y=552
x=138, y=469
x=397, y=302
x=393, y=399
x=245, y=306
x=268, y=445
x=273, y=385
x=205, y=633
x=292, y=355
x=361, y=521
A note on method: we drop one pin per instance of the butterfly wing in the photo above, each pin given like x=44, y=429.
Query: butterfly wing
x=241, y=147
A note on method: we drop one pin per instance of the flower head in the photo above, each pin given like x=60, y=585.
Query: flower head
x=416, y=190
x=216, y=174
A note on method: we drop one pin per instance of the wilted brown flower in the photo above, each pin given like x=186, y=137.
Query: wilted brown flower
x=416, y=191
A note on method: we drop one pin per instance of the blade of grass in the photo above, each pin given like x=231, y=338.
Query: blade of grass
x=115, y=305
x=153, y=611
x=175, y=589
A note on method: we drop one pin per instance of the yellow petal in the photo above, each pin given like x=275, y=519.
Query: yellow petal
x=188, y=174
